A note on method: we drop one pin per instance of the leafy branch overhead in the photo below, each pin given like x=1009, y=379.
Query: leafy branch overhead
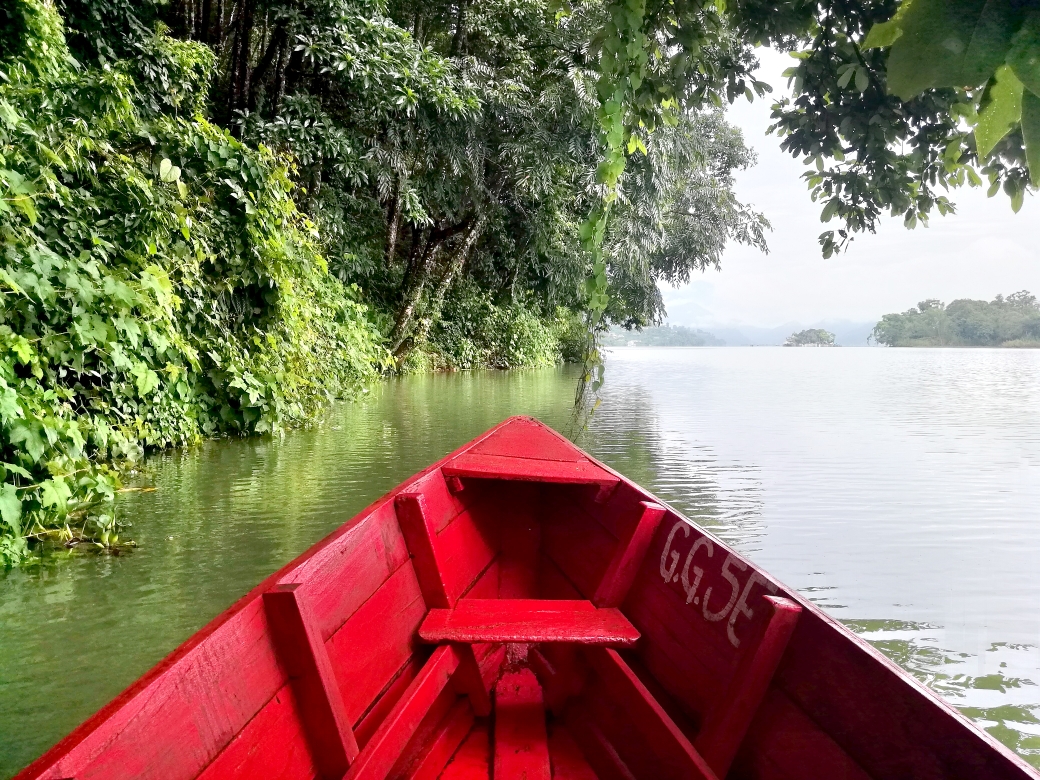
x=990, y=48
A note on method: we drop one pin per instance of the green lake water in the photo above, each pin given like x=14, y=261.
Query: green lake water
x=898, y=489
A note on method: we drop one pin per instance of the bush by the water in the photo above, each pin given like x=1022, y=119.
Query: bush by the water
x=1013, y=321
x=159, y=284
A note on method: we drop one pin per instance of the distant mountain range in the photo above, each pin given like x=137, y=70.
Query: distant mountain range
x=846, y=334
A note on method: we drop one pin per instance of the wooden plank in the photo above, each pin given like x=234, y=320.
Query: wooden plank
x=464, y=549
x=528, y=620
x=347, y=571
x=883, y=719
x=553, y=583
x=647, y=717
x=271, y=745
x=724, y=728
x=387, y=700
x=559, y=672
x=578, y=545
x=424, y=543
x=154, y=731
x=377, y=641
x=302, y=653
x=420, y=535
x=520, y=539
x=783, y=742
x=393, y=734
x=527, y=438
x=452, y=730
x=631, y=550
x=497, y=467
x=521, y=743
x=473, y=759
x=602, y=756
x=566, y=757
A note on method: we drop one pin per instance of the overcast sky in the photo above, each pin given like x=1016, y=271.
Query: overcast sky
x=982, y=250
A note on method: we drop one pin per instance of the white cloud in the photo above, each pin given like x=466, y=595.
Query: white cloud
x=983, y=250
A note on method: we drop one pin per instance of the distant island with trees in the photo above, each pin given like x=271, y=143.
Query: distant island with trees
x=1013, y=321
x=661, y=336
x=813, y=337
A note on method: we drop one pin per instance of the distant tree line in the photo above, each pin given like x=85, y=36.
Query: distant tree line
x=663, y=336
x=1013, y=321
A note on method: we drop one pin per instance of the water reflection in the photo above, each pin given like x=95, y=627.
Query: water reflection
x=895, y=489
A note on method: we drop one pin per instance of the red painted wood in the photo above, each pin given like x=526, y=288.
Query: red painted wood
x=496, y=467
x=784, y=743
x=378, y=640
x=597, y=749
x=621, y=572
x=566, y=757
x=343, y=574
x=524, y=437
x=520, y=539
x=528, y=620
x=271, y=745
x=302, y=653
x=386, y=701
x=392, y=736
x=648, y=717
x=725, y=727
x=452, y=730
x=464, y=551
x=419, y=533
x=521, y=742
x=560, y=673
x=579, y=546
x=472, y=761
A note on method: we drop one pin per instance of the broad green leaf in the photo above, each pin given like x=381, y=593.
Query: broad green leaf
x=885, y=34
x=1001, y=111
x=949, y=43
x=168, y=172
x=11, y=508
x=55, y=493
x=1031, y=134
x=1024, y=56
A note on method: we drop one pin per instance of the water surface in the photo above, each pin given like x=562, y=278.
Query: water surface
x=898, y=489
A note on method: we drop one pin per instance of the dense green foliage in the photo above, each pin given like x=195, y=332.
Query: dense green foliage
x=159, y=284
x=813, y=337
x=217, y=216
x=1013, y=321
x=662, y=336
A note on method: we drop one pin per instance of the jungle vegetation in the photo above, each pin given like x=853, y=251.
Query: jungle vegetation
x=1013, y=321
x=217, y=215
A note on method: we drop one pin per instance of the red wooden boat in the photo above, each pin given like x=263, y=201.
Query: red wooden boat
x=519, y=610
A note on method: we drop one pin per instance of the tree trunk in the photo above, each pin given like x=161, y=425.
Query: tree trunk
x=393, y=224
x=240, y=54
x=420, y=276
x=451, y=273
x=458, y=41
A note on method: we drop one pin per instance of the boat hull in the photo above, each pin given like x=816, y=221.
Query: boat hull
x=700, y=664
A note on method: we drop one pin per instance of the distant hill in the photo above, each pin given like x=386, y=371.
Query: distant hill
x=846, y=333
x=663, y=336
x=1003, y=322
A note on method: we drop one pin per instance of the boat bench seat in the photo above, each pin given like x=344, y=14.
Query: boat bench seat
x=528, y=621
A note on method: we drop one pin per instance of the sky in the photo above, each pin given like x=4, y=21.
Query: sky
x=983, y=250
